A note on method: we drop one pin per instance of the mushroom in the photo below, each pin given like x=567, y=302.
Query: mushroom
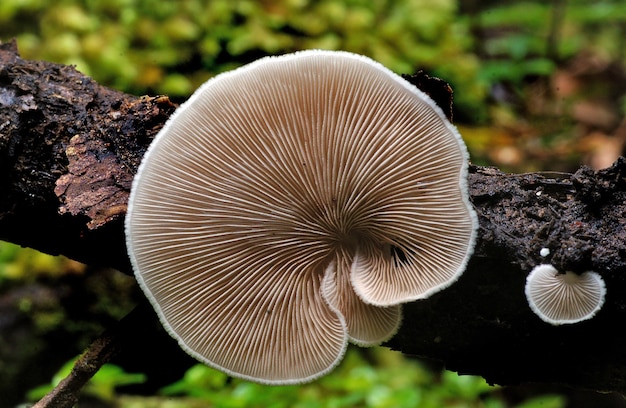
x=292, y=205
x=562, y=298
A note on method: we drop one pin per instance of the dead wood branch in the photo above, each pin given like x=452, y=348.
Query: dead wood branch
x=69, y=148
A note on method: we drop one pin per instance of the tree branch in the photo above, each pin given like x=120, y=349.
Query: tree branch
x=70, y=147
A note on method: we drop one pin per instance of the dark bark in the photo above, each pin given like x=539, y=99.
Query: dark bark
x=482, y=324
x=69, y=148
x=68, y=151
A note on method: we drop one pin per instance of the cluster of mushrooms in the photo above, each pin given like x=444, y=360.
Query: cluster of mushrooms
x=292, y=206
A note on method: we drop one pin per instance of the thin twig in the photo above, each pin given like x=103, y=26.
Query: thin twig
x=100, y=352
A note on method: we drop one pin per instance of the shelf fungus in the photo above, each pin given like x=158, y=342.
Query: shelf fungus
x=563, y=298
x=291, y=206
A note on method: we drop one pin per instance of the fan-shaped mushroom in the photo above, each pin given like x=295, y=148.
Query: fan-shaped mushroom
x=292, y=205
x=561, y=298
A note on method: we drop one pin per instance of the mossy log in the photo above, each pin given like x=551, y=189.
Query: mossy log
x=69, y=148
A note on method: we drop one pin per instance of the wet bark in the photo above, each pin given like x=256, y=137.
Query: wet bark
x=68, y=151
x=69, y=148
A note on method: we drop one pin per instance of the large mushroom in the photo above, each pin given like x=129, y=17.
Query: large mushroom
x=290, y=206
x=564, y=298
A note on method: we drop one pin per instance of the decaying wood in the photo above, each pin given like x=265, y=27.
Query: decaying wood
x=69, y=148
x=68, y=151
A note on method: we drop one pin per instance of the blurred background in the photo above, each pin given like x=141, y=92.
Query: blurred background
x=537, y=86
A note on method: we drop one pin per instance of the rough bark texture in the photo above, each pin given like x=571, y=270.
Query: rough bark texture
x=68, y=151
x=69, y=148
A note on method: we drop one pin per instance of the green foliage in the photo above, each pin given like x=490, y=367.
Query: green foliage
x=515, y=71
x=377, y=378
x=171, y=46
x=18, y=263
x=521, y=30
x=391, y=382
x=597, y=25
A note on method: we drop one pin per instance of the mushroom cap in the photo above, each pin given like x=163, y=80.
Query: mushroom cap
x=562, y=298
x=292, y=205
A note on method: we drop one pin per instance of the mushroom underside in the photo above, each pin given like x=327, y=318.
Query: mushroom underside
x=564, y=298
x=293, y=205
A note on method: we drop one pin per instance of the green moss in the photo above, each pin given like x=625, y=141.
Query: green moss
x=123, y=42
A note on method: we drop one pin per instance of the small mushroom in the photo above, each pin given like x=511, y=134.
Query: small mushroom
x=562, y=298
x=292, y=205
